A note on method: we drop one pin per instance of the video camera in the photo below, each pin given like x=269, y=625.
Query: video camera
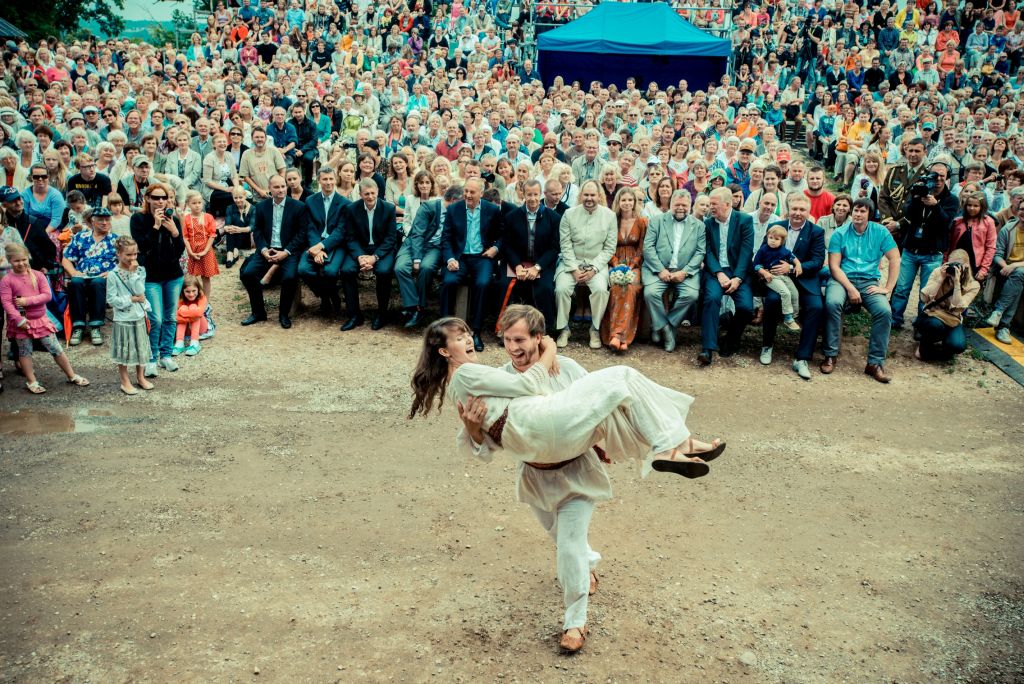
x=925, y=185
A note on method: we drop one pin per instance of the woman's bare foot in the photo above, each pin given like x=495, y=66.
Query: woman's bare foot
x=695, y=446
x=917, y=353
x=678, y=455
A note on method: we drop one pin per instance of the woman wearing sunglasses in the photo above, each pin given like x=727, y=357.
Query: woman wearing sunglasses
x=157, y=231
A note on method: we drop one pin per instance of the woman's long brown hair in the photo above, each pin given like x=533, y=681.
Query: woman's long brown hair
x=430, y=379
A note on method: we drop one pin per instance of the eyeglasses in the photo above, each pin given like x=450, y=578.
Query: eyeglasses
x=158, y=198
x=87, y=166
x=38, y=177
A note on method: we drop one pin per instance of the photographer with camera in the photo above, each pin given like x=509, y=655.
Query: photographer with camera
x=158, y=232
x=928, y=214
x=947, y=294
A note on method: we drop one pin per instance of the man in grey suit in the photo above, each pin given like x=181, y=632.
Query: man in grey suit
x=674, y=249
x=587, y=236
x=320, y=267
x=419, y=258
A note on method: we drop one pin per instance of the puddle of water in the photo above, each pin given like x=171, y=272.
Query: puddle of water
x=21, y=423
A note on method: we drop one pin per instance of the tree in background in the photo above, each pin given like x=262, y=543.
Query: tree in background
x=42, y=19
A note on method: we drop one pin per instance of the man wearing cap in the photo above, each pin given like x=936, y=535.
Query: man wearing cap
x=739, y=171
x=132, y=189
x=88, y=258
x=42, y=250
x=613, y=147
x=92, y=119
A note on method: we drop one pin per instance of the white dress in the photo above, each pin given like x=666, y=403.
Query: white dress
x=548, y=489
x=635, y=417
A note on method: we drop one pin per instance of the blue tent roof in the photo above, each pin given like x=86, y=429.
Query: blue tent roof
x=634, y=29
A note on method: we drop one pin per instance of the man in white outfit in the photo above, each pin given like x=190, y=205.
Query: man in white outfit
x=562, y=495
x=587, y=237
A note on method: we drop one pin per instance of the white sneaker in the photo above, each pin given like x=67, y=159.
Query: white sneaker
x=150, y=370
x=800, y=366
x=1003, y=335
x=168, y=364
x=595, y=339
x=994, y=318
x=766, y=356
x=562, y=341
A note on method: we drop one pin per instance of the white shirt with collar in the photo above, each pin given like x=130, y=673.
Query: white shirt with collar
x=369, y=218
x=275, y=231
x=328, y=199
x=723, y=241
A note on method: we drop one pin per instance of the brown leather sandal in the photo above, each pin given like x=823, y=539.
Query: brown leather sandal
x=572, y=644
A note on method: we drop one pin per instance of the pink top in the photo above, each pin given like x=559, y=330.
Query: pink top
x=39, y=325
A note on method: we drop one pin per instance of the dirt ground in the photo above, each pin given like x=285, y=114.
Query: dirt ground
x=268, y=514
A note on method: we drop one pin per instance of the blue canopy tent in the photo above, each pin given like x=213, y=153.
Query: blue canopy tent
x=647, y=41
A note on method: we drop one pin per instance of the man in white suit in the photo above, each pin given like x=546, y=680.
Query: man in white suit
x=674, y=250
x=587, y=237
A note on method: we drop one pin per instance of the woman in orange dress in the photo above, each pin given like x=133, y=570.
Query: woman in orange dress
x=618, y=329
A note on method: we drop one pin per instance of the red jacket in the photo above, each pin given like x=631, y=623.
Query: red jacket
x=983, y=242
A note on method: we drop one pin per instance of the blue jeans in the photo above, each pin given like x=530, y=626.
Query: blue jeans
x=910, y=263
x=163, y=304
x=939, y=342
x=876, y=304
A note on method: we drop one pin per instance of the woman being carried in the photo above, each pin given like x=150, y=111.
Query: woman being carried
x=634, y=416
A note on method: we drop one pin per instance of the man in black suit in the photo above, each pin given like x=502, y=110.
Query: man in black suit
x=372, y=236
x=419, y=258
x=470, y=242
x=320, y=267
x=530, y=250
x=730, y=250
x=279, y=232
x=807, y=242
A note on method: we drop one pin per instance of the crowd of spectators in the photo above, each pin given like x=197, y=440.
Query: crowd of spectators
x=330, y=141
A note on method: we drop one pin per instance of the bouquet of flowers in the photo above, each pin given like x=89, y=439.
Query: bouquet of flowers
x=621, y=275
